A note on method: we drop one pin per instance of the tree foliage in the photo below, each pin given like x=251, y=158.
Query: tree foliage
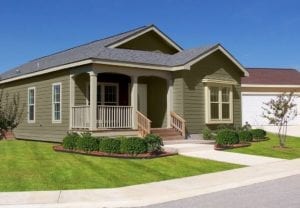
x=11, y=111
x=279, y=111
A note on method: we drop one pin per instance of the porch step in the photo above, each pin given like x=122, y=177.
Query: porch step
x=167, y=133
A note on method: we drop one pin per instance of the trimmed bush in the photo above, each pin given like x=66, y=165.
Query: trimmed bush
x=133, y=145
x=154, y=143
x=110, y=145
x=86, y=142
x=245, y=136
x=258, y=134
x=207, y=134
x=227, y=137
x=69, y=141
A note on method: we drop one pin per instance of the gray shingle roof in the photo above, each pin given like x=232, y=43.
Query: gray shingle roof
x=98, y=50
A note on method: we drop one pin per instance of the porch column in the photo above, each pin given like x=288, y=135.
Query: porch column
x=93, y=100
x=134, y=99
x=72, y=98
x=169, y=101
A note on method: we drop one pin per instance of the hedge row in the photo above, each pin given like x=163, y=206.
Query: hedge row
x=229, y=136
x=126, y=145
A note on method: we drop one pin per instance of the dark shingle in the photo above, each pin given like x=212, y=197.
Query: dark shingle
x=272, y=76
x=98, y=50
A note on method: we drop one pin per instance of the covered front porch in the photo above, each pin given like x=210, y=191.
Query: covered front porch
x=110, y=100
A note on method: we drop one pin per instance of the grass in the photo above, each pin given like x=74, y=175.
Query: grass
x=27, y=166
x=266, y=148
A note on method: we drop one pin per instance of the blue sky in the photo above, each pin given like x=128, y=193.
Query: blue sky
x=258, y=33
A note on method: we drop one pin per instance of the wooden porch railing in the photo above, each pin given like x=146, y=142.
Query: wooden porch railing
x=110, y=116
x=143, y=124
x=81, y=116
x=178, y=123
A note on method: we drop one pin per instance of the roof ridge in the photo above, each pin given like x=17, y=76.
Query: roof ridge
x=88, y=43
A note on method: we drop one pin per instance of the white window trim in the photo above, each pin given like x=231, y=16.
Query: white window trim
x=34, y=97
x=52, y=103
x=102, y=84
x=208, y=119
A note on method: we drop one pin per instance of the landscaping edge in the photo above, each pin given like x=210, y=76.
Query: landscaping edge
x=59, y=148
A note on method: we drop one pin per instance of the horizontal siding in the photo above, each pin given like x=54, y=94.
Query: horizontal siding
x=43, y=128
x=215, y=66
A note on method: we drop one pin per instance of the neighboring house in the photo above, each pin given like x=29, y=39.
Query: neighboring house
x=264, y=84
x=124, y=82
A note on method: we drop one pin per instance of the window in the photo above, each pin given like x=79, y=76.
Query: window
x=56, y=103
x=219, y=104
x=31, y=105
x=107, y=94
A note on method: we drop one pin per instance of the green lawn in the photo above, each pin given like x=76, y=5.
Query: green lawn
x=29, y=165
x=266, y=148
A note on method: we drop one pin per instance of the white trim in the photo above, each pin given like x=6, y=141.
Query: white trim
x=137, y=65
x=270, y=86
x=186, y=66
x=152, y=28
x=103, y=85
x=52, y=103
x=217, y=81
x=45, y=71
x=220, y=48
x=34, y=104
x=267, y=93
x=208, y=119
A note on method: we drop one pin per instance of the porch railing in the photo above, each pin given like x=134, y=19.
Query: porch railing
x=178, y=123
x=143, y=124
x=81, y=116
x=109, y=116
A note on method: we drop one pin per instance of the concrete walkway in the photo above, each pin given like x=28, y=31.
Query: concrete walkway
x=153, y=193
x=208, y=152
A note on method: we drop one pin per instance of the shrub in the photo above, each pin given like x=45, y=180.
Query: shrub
x=227, y=137
x=110, y=145
x=87, y=143
x=225, y=126
x=207, y=134
x=245, y=136
x=69, y=141
x=133, y=145
x=154, y=143
x=258, y=134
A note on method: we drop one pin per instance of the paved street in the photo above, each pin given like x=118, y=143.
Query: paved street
x=284, y=192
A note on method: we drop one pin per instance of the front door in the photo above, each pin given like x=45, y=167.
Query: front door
x=142, y=98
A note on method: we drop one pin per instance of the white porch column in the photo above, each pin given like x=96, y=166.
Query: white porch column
x=93, y=100
x=169, y=101
x=72, y=98
x=134, y=99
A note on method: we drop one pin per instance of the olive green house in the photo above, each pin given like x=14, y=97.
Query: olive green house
x=136, y=82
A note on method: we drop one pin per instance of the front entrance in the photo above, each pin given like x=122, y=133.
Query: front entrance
x=142, y=98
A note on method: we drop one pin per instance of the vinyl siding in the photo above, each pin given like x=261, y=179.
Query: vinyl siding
x=178, y=93
x=192, y=98
x=43, y=128
x=156, y=100
x=149, y=41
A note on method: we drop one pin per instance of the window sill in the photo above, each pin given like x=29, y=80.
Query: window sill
x=219, y=122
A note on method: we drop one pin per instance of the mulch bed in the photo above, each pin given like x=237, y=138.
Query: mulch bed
x=224, y=147
x=59, y=148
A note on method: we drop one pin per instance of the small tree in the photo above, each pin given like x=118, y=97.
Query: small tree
x=279, y=111
x=10, y=112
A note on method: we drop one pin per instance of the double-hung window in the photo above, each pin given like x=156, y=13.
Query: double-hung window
x=219, y=104
x=31, y=105
x=107, y=94
x=56, y=102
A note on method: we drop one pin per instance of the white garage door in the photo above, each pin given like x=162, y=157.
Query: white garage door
x=252, y=113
